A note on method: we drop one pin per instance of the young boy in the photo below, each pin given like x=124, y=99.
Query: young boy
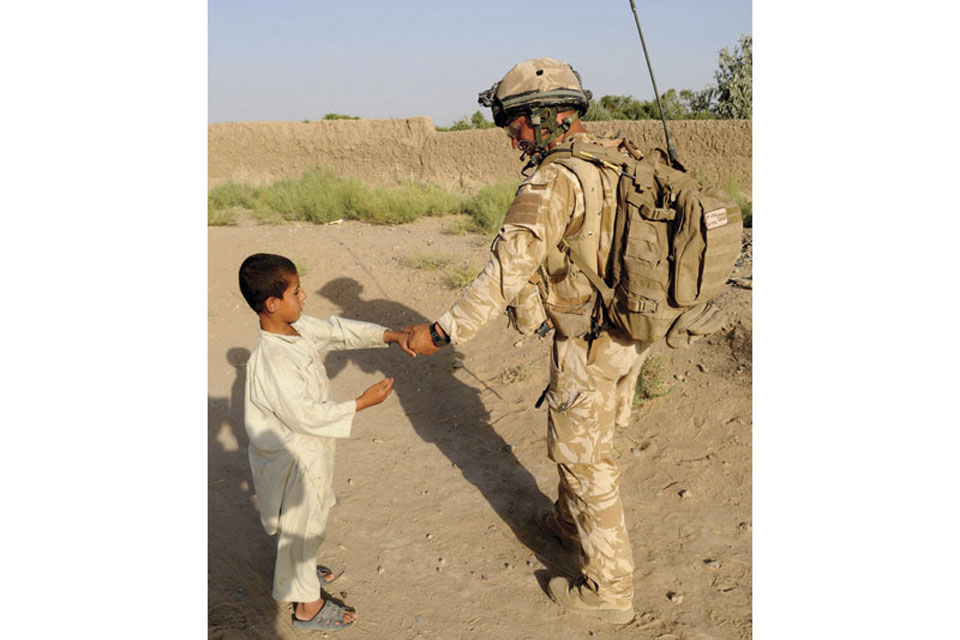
x=292, y=424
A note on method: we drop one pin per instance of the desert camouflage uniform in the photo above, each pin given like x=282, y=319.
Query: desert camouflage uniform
x=591, y=385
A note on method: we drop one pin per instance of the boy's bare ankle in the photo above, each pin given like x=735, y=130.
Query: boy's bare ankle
x=307, y=610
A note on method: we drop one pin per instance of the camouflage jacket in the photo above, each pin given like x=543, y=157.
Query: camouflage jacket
x=563, y=199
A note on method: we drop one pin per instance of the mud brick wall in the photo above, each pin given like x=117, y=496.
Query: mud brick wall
x=391, y=151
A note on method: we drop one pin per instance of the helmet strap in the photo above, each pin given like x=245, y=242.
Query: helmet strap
x=544, y=118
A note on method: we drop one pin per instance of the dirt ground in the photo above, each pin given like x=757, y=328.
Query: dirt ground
x=433, y=534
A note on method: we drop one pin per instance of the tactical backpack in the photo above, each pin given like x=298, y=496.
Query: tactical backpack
x=674, y=246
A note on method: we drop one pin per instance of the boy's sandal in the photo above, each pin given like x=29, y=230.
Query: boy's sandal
x=329, y=618
x=322, y=572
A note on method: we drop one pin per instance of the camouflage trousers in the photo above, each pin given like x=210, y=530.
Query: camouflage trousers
x=591, y=391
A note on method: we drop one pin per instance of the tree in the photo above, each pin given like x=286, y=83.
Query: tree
x=673, y=107
x=476, y=121
x=732, y=98
x=735, y=81
x=627, y=108
x=479, y=121
x=460, y=125
x=698, y=103
x=596, y=112
x=685, y=105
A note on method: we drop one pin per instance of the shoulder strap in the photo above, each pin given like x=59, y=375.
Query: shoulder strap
x=623, y=164
x=591, y=152
x=603, y=156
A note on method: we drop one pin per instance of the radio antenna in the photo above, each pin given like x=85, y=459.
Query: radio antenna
x=656, y=94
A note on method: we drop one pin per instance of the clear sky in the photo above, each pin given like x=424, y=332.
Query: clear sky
x=297, y=59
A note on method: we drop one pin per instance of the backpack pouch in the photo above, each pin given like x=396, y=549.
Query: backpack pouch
x=706, y=244
x=642, y=246
x=640, y=259
x=693, y=324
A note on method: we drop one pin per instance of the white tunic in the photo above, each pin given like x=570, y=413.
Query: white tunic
x=291, y=421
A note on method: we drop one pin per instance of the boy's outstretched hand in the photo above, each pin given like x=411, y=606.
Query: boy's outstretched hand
x=375, y=394
x=401, y=338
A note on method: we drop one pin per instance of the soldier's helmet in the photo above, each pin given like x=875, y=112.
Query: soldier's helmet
x=533, y=85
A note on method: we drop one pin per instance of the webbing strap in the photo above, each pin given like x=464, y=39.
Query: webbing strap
x=605, y=292
x=588, y=151
x=659, y=213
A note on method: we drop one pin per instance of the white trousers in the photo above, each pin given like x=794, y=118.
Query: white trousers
x=303, y=527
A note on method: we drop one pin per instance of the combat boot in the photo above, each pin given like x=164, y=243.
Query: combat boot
x=576, y=596
x=549, y=522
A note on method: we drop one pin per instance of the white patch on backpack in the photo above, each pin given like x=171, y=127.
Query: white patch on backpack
x=715, y=218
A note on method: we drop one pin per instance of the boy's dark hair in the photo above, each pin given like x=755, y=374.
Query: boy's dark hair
x=264, y=275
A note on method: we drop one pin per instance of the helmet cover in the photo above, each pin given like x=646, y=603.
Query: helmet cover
x=534, y=84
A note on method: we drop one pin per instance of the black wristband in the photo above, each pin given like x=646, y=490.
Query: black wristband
x=435, y=336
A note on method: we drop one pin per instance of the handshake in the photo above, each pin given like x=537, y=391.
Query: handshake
x=416, y=339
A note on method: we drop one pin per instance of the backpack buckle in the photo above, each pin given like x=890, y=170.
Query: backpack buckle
x=642, y=305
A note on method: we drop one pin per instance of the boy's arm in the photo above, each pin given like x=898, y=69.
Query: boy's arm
x=293, y=403
x=337, y=333
x=375, y=394
x=402, y=338
x=287, y=394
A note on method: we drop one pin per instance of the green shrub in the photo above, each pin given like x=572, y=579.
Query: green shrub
x=462, y=275
x=489, y=205
x=427, y=260
x=731, y=184
x=232, y=194
x=460, y=225
x=223, y=199
x=319, y=195
x=654, y=380
x=221, y=217
x=412, y=200
x=746, y=207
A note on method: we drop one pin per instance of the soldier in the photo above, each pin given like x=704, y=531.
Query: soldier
x=592, y=373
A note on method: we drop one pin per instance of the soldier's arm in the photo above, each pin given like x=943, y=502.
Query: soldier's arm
x=537, y=216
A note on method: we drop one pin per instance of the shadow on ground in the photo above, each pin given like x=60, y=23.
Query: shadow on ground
x=444, y=412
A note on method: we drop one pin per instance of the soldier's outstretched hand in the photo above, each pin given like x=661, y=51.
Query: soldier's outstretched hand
x=420, y=340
